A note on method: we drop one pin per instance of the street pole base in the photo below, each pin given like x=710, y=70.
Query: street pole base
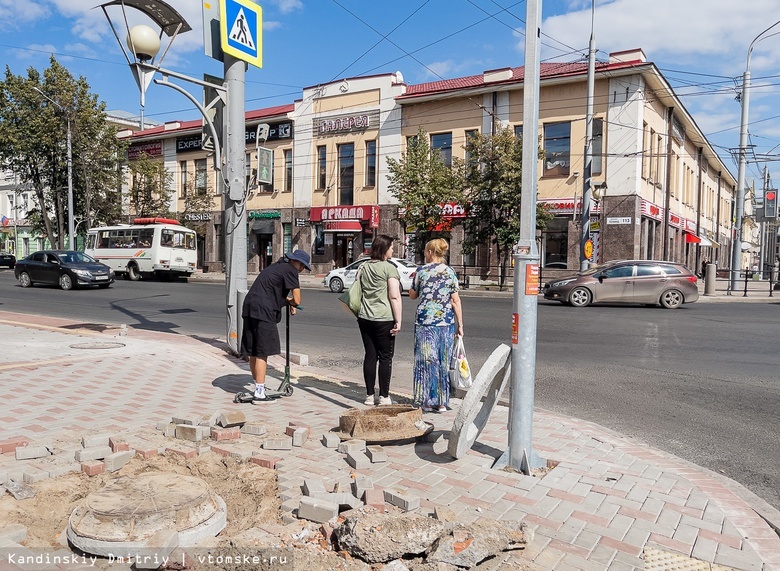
x=526, y=464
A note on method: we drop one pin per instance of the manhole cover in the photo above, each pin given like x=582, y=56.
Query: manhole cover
x=97, y=345
x=126, y=513
x=383, y=423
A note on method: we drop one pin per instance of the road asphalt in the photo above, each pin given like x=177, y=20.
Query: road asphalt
x=609, y=502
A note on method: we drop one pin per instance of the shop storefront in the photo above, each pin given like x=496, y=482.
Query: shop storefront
x=264, y=226
x=342, y=234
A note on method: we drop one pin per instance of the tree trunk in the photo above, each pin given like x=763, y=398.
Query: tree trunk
x=44, y=211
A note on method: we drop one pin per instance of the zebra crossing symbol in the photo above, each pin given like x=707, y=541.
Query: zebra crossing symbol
x=241, y=24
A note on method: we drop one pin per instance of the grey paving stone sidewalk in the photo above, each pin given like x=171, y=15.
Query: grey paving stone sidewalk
x=605, y=503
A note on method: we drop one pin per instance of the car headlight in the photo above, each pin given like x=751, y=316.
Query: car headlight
x=561, y=283
x=83, y=273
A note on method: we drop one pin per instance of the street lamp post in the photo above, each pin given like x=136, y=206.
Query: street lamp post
x=144, y=44
x=739, y=208
x=70, y=169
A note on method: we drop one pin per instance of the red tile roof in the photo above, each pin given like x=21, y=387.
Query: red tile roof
x=252, y=115
x=547, y=71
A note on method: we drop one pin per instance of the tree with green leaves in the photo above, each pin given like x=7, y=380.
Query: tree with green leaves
x=422, y=183
x=33, y=133
x=196, y=201
x=493, y=183
x=151, y=187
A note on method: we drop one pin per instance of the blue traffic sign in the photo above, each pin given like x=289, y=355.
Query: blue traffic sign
x=241, y=28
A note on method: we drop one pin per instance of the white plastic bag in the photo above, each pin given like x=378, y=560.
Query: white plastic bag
x=460, y=372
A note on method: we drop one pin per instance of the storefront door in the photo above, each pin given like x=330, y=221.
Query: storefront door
x=265, y=250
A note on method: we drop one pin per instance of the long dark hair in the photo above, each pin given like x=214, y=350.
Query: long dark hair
x=380, y=246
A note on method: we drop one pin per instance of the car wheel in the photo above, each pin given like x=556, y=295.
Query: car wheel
x=24, y=279
x=672, y=299
x=132, y=273
x=580, y=297
x=336, y=285
x=65, y=282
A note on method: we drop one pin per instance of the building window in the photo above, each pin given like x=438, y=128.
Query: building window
x=557, y=145
x=598, y=147
x=288, y=170
x=201, y=177
x=370, y=163
x=346, y=174
x=319, y=240
x=322, y=168
x=519, y=131
x=287, y=233
x=442, y=142
x=555, y=238
x=471, y=134
x=183, y=179
x=645, y=151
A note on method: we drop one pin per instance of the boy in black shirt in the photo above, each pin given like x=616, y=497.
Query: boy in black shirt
x=275, y=287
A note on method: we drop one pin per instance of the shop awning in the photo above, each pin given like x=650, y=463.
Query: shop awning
x=701, y=240
x=341, y=226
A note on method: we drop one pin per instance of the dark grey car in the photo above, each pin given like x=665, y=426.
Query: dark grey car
x=648, y=282
x=66, y=268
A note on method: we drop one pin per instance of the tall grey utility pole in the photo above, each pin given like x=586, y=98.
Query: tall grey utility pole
x=234, y=218
x=586, y=245
x=521, y=456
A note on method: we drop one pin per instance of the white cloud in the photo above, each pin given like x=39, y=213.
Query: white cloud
x=269, y=25
x=35, y=51
x=287, y=6
x=13, y=13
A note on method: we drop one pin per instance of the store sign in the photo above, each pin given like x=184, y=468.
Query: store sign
x=652, y=210
x=276, y=131
x=690, y=226
x=264, y=214
x=369, y=213
x=187, y=144
x=300, y=222
x=346, y=123
x=453, y=210
x=150, y=149
x=197, y=216
x=675, y=220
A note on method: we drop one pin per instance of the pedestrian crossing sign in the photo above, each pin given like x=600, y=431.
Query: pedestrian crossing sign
x=241, y=30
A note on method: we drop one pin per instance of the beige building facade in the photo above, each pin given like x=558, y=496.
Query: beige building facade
x=666, y=193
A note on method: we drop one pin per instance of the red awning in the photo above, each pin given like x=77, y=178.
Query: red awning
x=692, y=238
x=342, y=226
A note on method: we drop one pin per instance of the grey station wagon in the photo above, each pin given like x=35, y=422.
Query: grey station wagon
x=648, y=282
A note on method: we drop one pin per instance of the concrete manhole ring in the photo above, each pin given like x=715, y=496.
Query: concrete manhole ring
x=97, y=345
x=123, y=515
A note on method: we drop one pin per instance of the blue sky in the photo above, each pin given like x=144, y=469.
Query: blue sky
x=700, y=46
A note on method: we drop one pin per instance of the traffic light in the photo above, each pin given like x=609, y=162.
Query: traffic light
x=770, y=203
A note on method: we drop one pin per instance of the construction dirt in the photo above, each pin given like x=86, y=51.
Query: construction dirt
x=249, y=492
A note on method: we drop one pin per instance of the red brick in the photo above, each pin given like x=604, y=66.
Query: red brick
x=220, y=450
x=376, y=499
x=185, y=453
x=12, y=444
x=118, y=444
x=265, y=462
x=93, y=467
x=566, y=496
x=145, y=452
x=295, y=425
x=730, y=540
x=225, y=433
x=607, y=541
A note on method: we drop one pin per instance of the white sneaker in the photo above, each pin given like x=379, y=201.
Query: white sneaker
x=260, y=395
x=370, y=400
x=384, y=401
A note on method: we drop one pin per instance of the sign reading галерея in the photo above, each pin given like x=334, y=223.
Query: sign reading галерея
x=353, y=122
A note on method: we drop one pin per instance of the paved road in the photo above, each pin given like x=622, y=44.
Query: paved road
x=700, y=382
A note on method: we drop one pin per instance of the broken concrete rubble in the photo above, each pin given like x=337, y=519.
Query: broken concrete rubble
x=384, y=538
x=379, y=538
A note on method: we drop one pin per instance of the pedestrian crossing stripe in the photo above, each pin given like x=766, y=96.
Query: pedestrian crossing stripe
x=241, y=24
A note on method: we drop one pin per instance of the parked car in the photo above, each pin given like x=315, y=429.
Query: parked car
x=342, y=278
x=7, y=260
x=649, y=282
x=66, y=268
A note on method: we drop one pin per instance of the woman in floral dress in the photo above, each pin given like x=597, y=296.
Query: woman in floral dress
x=439, y=319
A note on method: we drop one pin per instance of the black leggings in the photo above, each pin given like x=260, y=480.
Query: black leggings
x=380, y=346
